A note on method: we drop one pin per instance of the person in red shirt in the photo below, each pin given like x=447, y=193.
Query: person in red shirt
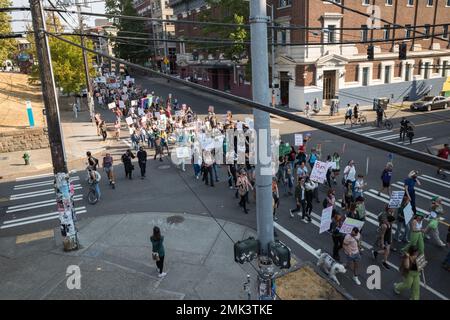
x=443, y=153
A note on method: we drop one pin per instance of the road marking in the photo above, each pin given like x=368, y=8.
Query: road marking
x=375, y=133
x=40, y=184
x=385, y=199
x=390, y=137
x=127, y=142
x=39, y=216
x=363, y=129
x=34, y=236
x=37, y=193
x=299, y=241
x=419, y=140
x=56, y=216
x=39, y=204
x=435, y=180
x=424, y=193
x=35, y=177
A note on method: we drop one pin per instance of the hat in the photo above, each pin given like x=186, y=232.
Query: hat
x=435, y=198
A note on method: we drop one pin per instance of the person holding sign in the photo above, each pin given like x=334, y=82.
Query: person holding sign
x=409, y=185
x=432, y=226
x=416, y=237
x=402, y=236
x=300, y=198
x=351, y=249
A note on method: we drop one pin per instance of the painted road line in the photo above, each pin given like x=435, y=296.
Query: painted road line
x=419, y=140
x=390, y=137
x=37, y=193
x=35, y=177
x=39, y=216
x=41, y=184
x=424, y=193
x=376, y=133
x=12, y=225
x=362, y=129
x=39, y=204
x=34, y=236
x=127, y=142
x=435, y=180
x=299, y=241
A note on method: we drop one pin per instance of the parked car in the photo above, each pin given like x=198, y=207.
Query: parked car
x=429, y=103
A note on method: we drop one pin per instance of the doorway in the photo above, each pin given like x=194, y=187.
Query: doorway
x=284, y=88
x=215, y=78
x=329, y=85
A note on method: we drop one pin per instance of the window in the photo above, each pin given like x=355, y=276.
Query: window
x=448, y=3
x=364, y=33
x=408, y=31
x=331, y=33
x=387, y=32
x=410, y=2
x=366, y=2
x=284, y=3
x=389, y=2
x=429, y=3
x=445, y=31
x=427, y=30
x=387, y=74
x=365, y=76
x=426, y=70
x=283, y=37
x=444, y=68
x=407, y=71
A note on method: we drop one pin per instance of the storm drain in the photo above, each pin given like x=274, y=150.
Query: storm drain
x=175, y=219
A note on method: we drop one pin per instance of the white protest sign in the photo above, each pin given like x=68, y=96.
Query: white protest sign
x=298, y=139
x=125, y=89
x=183, y=152
x=408, y=213
x=349, y=224
x=325, y=219
x=239, y=125
x=121, y=104
x=129, y=121
x=157, y=115
x=319, y=171
x=127, y=78
x=131, y=80
x=133, y=103
x=396, y=199
x=111, y=105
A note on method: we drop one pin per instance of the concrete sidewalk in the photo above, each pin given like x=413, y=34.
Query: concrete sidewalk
x=115, y=260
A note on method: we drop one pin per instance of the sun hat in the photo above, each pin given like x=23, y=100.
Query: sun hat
x=435, y=198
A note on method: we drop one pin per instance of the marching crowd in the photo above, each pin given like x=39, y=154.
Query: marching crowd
x=155, y=123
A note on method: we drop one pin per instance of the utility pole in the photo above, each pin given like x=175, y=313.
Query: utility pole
x=274, y=102
x=86, y=66
x=260, y=91
x=63, y=188
x=166, y=65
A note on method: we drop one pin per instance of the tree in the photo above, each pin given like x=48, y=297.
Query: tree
x=7, y=46
x=125, y=49
x=67, y=59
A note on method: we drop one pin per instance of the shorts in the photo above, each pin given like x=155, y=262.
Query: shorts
x=108, y=170
x=386, y=184
x=353, y=258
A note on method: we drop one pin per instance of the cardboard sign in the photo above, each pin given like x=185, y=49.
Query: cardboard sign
x=325, y=219
x=121, y=104
x=319, y=171
x=396, y=199
x=133, y=103
x=183, y=152
x=129, y=121
x=408, y=213
x=349, y=224
x=298, y=139
x=111, y=105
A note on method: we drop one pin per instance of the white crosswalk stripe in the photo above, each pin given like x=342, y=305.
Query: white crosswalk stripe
x=367, y=131
x=418, y=140
x=424, y=193
x=434, y=180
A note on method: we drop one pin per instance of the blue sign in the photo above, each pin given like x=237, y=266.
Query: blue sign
x=30, y=114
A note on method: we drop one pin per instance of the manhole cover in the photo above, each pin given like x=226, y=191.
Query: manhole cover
x=175, y=219
x=164, y=167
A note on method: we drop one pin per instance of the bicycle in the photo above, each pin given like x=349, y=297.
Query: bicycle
x=387, y=124
x=362, y=119
x=92, y=194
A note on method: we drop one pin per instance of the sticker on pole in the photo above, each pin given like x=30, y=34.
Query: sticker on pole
x=396, y=199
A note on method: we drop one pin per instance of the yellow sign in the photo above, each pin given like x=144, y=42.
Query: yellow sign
x=166, y=61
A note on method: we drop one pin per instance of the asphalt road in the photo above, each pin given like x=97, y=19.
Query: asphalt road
x=28, y=205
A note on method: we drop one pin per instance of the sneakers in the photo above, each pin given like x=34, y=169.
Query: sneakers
x=291, y=214
x=356, y=280
x=374, y=254
x=162, y=275
x=385, y=265
x=305, y=221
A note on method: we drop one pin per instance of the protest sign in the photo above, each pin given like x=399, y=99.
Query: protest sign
x=129, y=121
x=157, y=115
x=250, y=123
x=396, y=199
x=124, y=97
x=298, y=139
x=125, y=89
x=408, y=213
x=133, y=103
x=325, y=219
x=121, y=104
x=319, y=171
x=349, y=224
x=239, y=125
x=111, y=105
x=183, y=152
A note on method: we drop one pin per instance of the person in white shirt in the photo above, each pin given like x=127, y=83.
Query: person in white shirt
x=350, y=173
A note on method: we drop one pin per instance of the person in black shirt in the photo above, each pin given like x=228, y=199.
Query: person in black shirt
x=403, y=127
x=92, y=162
x=142, y=159
x=126, y=159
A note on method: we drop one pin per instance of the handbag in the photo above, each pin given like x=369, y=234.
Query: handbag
x=155, y=256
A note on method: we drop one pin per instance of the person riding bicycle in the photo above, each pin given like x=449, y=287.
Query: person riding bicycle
x=403, y=128
x=94, y=178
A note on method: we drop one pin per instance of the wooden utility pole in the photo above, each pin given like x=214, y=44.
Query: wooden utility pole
x=48, y=88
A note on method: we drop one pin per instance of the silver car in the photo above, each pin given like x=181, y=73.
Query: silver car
x=429, y=103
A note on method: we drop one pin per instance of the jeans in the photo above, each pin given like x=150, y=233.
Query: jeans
x=208, y=172
x=243, y=201
x=151, y=142
x=160, y=264
x=405, y=234
x=197, y=169
x=142, y=165
x=215, y=172
x=97, y=189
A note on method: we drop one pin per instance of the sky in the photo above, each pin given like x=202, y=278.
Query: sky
x=97, y=6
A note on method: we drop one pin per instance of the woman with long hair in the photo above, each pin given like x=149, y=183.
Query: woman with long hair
x=158, y=252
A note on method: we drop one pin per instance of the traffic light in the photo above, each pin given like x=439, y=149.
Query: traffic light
x=246, y=250
x=280, y=254
x=402, y=49
x=370, y=52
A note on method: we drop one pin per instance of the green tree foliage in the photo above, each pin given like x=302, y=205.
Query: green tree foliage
x=124, y=49
x=8, y=47
x=67, y=59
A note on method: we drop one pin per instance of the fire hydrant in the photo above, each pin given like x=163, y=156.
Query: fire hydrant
x=26, y=157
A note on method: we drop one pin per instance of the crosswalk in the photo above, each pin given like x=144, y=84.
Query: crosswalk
x=385, y=135
x=32, y=201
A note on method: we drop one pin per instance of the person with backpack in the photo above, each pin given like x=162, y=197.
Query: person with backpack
x=384, y=239
x=158, y=251
x=348, y=115
x=127, y=163
x=92, y=161
x=411, y=274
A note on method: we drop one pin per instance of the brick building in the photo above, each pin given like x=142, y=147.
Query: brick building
x=325, y=71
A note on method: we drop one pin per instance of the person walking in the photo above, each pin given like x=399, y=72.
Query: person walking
x=97, y=119
x=404, y=123
x=158, y=148
x=409, y=185
x=158, y=252
x=244, y=186
x=443, y=153
x=109, y=169
x=103, y=129
x=336, y=235
x=416, y=234
x=350, y=174
x=433, y=225
x=411, y=274
x=410, y=133
x=92, y=161
x=142, y=160
x=446, y=262
x=93, y=179
x=386, y=177
x=402, y=233
x=309, y=195
x=348, y=114
x=276, y=198
x=117, y=129
x=300, y=198
x=128, y=165
x=359, y=187
x=75, y=110
x=384, y=239
x=307, y=109
x=336, y=167
x=350, y=245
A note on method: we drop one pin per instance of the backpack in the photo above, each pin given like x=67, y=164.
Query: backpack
x=312, y=159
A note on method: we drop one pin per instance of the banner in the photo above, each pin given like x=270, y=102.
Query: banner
x=408, y=213
x=319, y=171
x=396, y=199
x=298, y=139
x=325, y=219
x=349, y=224
x=111, y=105
x=129, y=121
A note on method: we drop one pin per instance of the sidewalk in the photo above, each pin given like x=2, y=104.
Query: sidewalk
x=115, y=260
